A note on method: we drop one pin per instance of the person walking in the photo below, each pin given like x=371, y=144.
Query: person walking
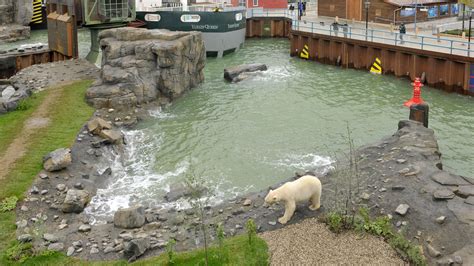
x=403, y=31
x=304, y=8
x=300, y=10
x=292, y=9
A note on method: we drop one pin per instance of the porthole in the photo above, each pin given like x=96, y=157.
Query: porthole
x=152, y=17
x=190, y=18
x=238, y=16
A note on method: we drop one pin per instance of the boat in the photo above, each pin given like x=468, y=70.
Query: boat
x=223, y=27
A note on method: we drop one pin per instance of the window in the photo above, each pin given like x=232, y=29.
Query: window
x=190, y=18
x=255, y=2
x=242, y=2
x=238, y=16
x=152, y=17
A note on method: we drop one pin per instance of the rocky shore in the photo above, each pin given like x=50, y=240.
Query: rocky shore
x=400, y=177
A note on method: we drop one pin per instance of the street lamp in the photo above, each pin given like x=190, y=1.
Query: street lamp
x=367, y=4
x=469, y=38
x=416, y=11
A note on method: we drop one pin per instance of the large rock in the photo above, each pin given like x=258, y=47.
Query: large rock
x=232, y=73
x=133, y=217
x=136, y=247
x=140, y=65
x=7, y=93
x=112, y=136
x=96, y=125
x=75, y=201
x=57, y=160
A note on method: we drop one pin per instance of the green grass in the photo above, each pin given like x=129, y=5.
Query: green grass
x=67, y=116
x=458, y=32
x=11, y=123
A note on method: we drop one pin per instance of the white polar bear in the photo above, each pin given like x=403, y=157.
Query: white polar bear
x=303, y=189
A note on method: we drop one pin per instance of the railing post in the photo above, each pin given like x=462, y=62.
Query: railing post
x=372, y=33
x=312, y=27
x=451, y=48
x=396, y=38
x=422, y=41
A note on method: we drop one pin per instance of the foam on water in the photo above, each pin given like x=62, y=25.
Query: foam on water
x=310, y=161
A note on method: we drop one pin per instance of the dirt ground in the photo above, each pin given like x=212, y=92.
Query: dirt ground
x=311, y=243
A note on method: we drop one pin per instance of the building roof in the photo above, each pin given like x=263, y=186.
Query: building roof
x=418, y=2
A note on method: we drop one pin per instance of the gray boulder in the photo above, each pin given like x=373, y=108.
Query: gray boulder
x=112, y=136
x=135, y=248
x=57, y=160
x=75, y=201
x=133, y=217
x=7, y=93
x=56, y=246
x=232, y=74
x=96, y=125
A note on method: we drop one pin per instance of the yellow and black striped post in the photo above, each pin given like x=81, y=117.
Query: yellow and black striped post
x=37, y=17
x=305, y=53
x=376, y=67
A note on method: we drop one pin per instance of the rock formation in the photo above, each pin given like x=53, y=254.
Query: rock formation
x=140, y=66
x=241, y=72
x=15, y=15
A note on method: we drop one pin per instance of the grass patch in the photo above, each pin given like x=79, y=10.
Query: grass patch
x=67, y=116
x=458, y=32
x=237, y=248
x=380, y=226
x=11, y=123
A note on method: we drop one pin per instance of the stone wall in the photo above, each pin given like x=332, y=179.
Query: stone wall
x=140, y=66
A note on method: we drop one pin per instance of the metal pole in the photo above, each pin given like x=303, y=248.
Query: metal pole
x=366, y=19
x=416, y=11
x=469, y=38
x=463, y=11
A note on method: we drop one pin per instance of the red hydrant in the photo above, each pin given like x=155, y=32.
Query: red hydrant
x=416, y=99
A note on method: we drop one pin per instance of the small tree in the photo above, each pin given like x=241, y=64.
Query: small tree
x=170, y=251
x=199, y=195
x=251, y=230
x=220, y=238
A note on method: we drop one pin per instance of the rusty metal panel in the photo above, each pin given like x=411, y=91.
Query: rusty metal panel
x=52, y=30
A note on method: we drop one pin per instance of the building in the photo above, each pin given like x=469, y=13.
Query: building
x=260, y=3
x=389, y=11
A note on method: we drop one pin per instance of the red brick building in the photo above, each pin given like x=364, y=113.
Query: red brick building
x=389, y=11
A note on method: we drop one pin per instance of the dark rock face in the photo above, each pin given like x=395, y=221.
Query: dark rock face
x=140, y=65
x=238, y=73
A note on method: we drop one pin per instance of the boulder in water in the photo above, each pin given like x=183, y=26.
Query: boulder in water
x=232, y=74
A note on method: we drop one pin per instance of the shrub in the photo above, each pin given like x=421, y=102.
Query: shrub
x=251, y=230
x=170, y=251
x=23, y=105
x=19, y=252
x=8, y=204
x=335, y=221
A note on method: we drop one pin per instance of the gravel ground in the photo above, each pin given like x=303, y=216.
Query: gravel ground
x=311, y=243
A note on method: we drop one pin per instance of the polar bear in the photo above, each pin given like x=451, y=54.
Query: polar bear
x=303, y=189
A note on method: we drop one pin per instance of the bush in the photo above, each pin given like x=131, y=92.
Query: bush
x=335, y=221
x=8, y=204
x=19, y=252
x=170, y=251
x=251, y=230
